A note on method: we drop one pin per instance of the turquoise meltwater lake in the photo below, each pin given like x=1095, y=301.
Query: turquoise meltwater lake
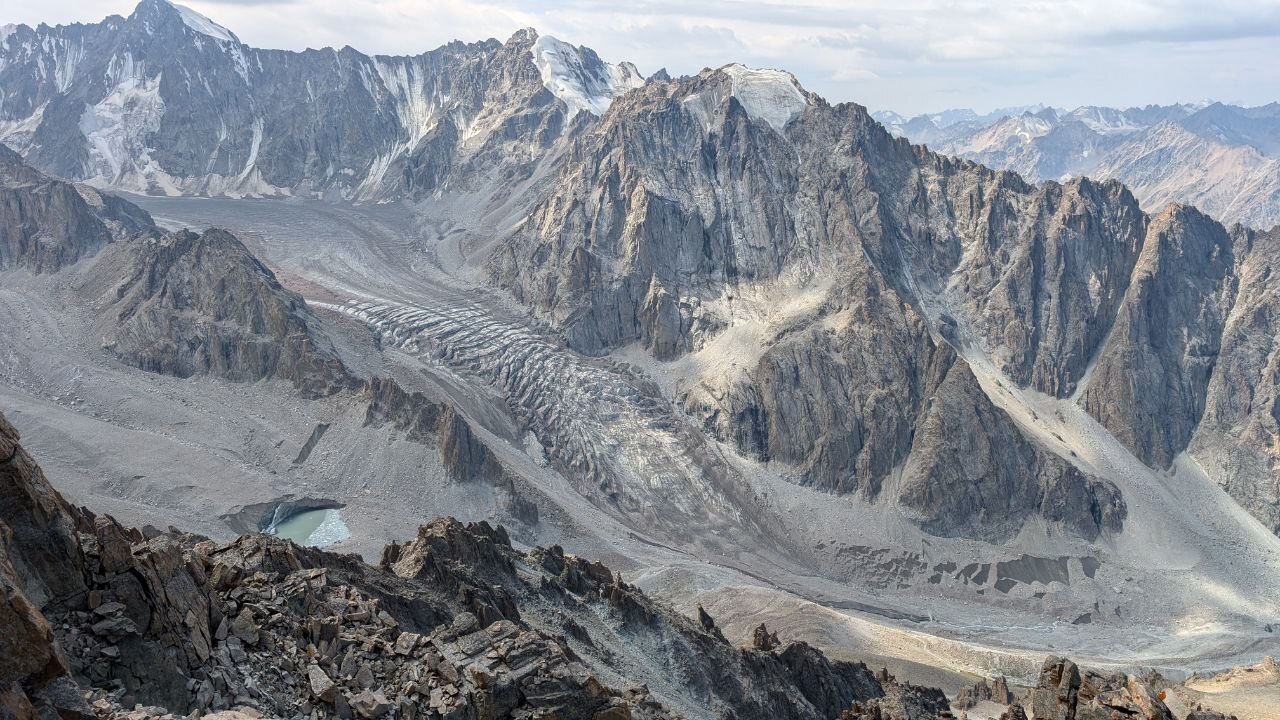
x=314, y=528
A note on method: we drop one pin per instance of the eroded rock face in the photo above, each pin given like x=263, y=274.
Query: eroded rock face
x=30, y=658
x=1238, y=438
x=820, y=254
x=43, y=553
x=684, y=208
x=1152, y=376
x=972, y=472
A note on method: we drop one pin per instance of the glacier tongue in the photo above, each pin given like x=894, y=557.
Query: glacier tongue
x=770, y=95
x=204, y=25
x=579, y=78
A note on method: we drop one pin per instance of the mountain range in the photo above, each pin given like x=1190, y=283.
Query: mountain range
x=1221, y=158
x=743, y=344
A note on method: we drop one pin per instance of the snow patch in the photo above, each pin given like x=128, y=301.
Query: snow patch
x=251, y=163
x=116, y=130
x=1107, y=121
x=578, y=77
x=204, y=25
x=770, y=95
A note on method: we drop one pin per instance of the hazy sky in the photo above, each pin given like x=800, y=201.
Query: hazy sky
x=906, y=55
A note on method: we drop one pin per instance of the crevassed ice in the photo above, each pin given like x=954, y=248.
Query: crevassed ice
x=770, y=95
x=579, y=78
x=203, y=25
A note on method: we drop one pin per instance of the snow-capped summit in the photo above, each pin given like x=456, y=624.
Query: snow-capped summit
x=578, y=77
x=204, y=25
x=770, y=95
x=157, y=14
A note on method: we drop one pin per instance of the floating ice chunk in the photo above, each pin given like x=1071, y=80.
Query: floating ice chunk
x=770, y=95
x=580, y=78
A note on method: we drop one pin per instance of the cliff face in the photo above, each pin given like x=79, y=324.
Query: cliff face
x=693, y=210
x=1238, y=437
x=39, y=560
x=1151, y=377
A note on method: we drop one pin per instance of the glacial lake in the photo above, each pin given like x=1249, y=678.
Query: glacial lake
x=316, y=528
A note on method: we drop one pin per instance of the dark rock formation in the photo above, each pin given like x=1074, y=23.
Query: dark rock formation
x=996, y=691
x=762, y=639
x=1152, y=375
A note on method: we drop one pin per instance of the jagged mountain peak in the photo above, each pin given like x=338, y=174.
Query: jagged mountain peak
x=166, y=12
x=774, y=96
x=578, y=77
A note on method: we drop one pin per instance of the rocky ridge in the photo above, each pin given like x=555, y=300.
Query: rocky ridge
x=731, y=258
x=166, y=101
x=46, y=224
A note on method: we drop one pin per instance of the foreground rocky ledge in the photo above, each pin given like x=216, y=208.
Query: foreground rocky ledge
x=455, y=623
x=97, y=620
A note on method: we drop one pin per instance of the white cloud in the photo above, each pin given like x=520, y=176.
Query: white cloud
x=910, y=55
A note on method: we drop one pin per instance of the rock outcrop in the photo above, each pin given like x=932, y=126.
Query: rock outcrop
x=1063, y=692
x=996, y=691
x=185, y=303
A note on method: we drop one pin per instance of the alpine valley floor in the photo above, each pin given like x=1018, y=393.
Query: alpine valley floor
x=1187, y=586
